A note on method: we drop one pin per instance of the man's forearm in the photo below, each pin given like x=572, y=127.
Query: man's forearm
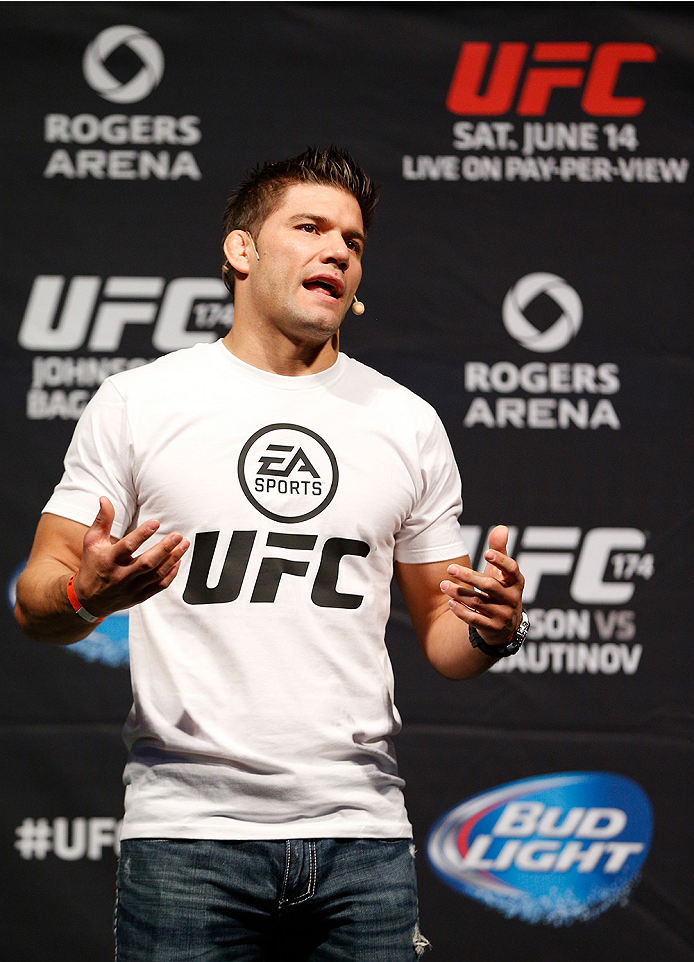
x=448, y=649
x=43, y=610
x=109, y=575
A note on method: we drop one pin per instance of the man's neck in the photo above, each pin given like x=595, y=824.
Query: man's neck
x=277, y=354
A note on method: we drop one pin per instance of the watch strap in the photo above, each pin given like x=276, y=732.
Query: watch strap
x=501, y=651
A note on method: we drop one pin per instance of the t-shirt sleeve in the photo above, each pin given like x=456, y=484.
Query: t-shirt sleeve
x=98, y=462
x=432, y=531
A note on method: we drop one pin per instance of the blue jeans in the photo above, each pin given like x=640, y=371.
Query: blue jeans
x=323, y=900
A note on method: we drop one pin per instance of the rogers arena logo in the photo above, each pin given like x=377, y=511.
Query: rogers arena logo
x=288, y=473
x=102, y=80
x=563, y=330
x=113, y=147
x=107, y=644
x=556, y=849
x=553, y=395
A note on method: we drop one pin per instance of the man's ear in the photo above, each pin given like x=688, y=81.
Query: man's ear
x=239, y=251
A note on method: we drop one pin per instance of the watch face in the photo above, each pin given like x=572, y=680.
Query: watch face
x=523, y=629
x=513, y=646
x=521, y=634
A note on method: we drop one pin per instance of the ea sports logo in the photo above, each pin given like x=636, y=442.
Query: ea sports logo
x=102, y=80
x=524, y=293
x=288, y=472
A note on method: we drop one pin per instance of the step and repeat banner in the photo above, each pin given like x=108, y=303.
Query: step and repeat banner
x=530, y=274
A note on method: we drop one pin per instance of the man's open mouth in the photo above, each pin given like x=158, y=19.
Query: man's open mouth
x=333, y=287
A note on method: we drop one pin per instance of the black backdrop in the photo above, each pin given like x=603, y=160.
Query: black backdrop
x=529, y=273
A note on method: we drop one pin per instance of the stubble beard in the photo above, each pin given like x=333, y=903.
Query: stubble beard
x=306, y=326
x=299, y=323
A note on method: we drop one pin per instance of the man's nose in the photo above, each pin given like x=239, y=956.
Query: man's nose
x=335, y=250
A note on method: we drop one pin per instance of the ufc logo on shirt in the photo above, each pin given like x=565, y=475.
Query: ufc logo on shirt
x=272, y=567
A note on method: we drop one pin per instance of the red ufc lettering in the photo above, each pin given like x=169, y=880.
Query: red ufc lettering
x=464, y=97
x=598, y=100
x=540, y=81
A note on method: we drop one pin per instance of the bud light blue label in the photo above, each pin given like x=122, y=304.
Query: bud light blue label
x=555, y=849
x=107, y=644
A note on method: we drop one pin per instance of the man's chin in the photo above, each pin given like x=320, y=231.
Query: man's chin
x=319, y=325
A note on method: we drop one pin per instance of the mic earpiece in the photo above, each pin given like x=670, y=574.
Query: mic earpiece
x=255, y=249
x=357, y=307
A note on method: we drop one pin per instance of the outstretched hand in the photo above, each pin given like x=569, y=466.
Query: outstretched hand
x=492, y=600
x=111, y=578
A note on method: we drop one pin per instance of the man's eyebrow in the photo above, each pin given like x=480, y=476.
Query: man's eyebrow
x=322, y=221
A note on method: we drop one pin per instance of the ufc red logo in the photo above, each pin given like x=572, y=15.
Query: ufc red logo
x=598, y=81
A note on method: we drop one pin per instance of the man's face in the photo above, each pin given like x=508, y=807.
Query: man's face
x=309, y=264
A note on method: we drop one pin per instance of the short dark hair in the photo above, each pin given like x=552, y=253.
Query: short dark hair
x=261, y=193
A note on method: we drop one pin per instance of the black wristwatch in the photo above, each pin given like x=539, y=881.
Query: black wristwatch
x=501, y=651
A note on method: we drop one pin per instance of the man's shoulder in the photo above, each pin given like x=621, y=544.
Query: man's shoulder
x=361, y=372
x=373, y=384
x=177, y=364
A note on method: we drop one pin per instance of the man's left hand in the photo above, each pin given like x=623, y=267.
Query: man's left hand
x=492, y=600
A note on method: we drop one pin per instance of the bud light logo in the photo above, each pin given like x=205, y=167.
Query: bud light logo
x=107, y=644
x=556, y=849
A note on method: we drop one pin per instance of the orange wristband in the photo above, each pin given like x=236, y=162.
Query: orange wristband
x=78, y=608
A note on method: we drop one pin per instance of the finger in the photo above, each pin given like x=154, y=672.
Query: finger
x=499, y=567
x=475, y=611
x=165, y=582
x=460, y=611
x=464, y=593
x=480, y=581
x=469, y=615
x=481, y=594
x=480, y=619
x=155, y=562
x=498, y=538
x=100, y=529
x=172, y=559
x=503, y=568
x=149, y=589
x=124, y=549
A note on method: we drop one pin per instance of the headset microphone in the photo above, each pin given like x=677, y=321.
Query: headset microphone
x=255, y=249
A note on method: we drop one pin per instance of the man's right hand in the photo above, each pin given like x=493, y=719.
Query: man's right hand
x=110, y=577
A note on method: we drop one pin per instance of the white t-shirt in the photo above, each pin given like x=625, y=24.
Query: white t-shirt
x=263, y=692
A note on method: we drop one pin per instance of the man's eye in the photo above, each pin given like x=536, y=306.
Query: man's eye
x=309, y=228
x=354, y=246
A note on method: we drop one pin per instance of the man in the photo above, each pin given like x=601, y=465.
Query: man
x=264, y=813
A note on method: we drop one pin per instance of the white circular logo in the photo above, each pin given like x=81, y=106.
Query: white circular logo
x=103, y=81
x=561, y=331
x=288, y=472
